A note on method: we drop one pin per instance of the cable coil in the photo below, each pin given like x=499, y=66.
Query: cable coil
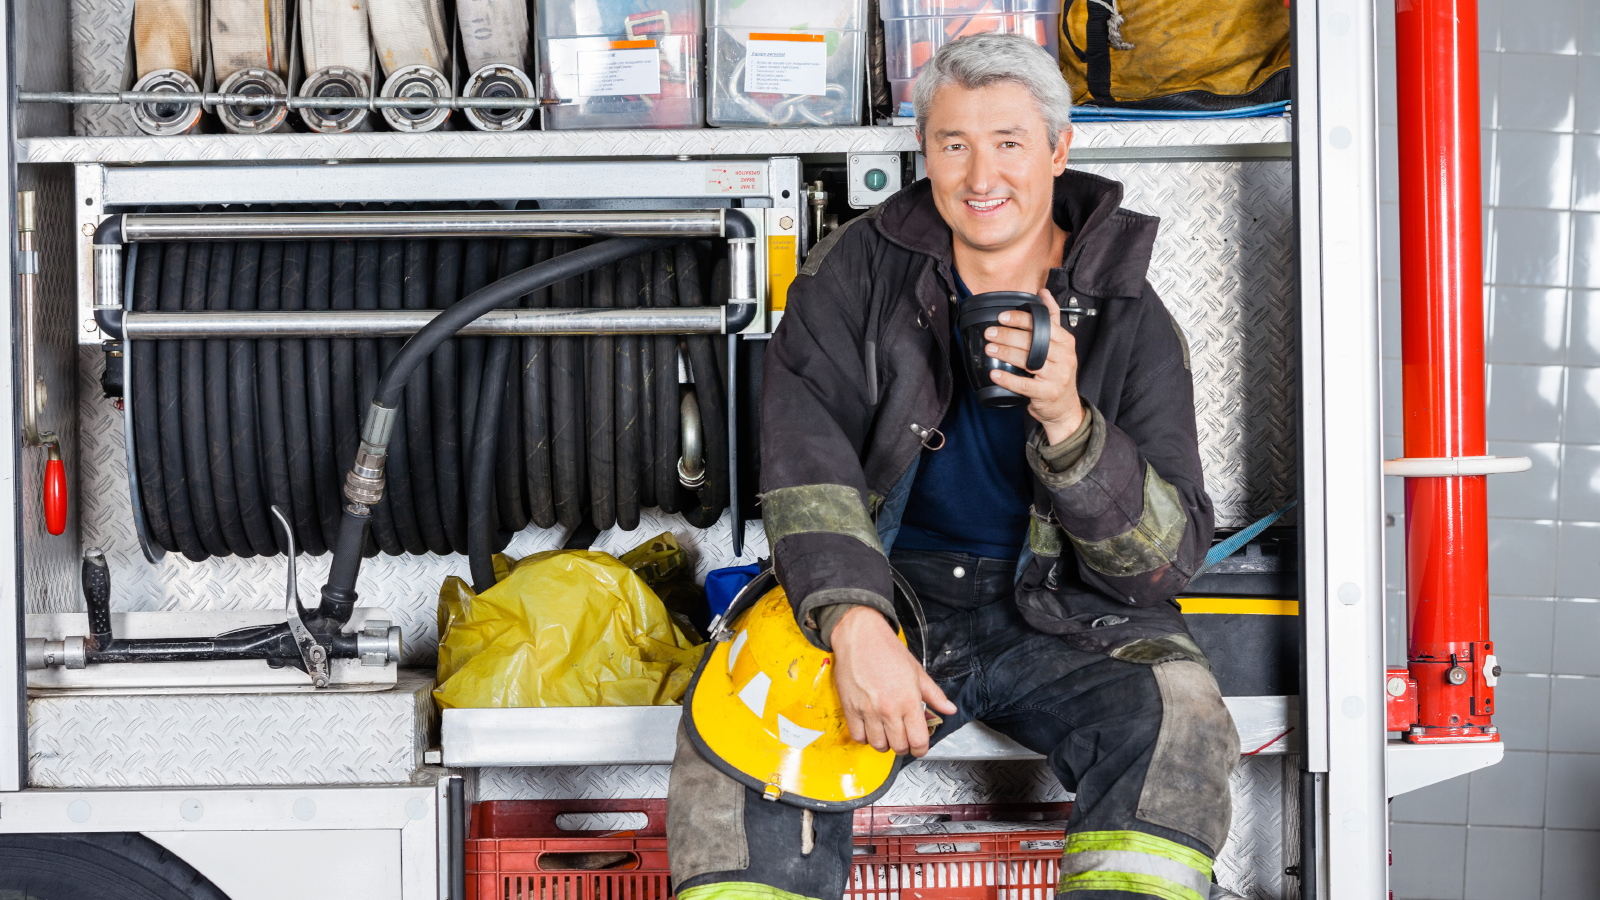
x=493, y=432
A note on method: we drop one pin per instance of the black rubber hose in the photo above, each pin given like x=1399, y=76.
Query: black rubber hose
x=599, y=414
x=367, y=374
x=391, y=278
x=481, y=519
x=510, y=481
x=626, y=406
x=219, y=428
x=446, y=400
x=664, y=359
x=536, y=407
x=647, y=389
x=339, y=592
x=477, y=264
x=143, y=396
x=704, y=507
x=566, y=429
x=269, y=394
x=169, y=410
x=319, y=392
x=296, y=423
x=196, y=454
x=342, y=354
x=419, y=409
x=242, y=413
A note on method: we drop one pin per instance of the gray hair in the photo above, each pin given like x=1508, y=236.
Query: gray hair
x=979, y=60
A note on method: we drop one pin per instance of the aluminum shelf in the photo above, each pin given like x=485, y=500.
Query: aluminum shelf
x=645, y=735
x=1202, y=139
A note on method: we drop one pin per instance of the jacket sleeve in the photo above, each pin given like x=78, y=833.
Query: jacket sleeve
x=1132, y=501
x=816, y=414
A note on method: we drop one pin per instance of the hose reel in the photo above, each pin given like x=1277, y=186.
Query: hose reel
x=218, y=304
x=247, y=361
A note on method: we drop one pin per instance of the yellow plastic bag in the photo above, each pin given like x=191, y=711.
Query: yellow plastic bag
x=562, y=628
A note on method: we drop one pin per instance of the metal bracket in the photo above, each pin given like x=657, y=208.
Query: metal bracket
x=1453, y=466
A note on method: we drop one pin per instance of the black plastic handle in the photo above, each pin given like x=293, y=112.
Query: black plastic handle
x=97, y=597
x=1039, y=350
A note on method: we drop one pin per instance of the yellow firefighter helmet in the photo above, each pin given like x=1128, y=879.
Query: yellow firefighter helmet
x=763, y=708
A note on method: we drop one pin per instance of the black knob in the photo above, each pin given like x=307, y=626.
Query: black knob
x=1495, y=671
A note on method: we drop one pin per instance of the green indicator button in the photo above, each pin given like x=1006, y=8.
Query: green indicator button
x=876, y=179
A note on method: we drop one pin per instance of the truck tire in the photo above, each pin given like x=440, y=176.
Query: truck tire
x=95, y=866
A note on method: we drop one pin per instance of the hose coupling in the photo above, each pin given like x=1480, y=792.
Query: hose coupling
x=378, y=643
x=364, y=484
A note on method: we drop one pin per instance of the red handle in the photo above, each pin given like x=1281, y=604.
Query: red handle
x=55, y=494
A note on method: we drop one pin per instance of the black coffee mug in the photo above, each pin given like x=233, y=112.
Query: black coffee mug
x=978, y=313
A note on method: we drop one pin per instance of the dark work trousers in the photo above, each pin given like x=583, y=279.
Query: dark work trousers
x=1147, y=750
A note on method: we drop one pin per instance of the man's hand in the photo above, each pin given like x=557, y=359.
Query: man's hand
x=881, y=685
x=1053, y=389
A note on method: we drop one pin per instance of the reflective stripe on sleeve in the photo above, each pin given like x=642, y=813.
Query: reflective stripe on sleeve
x=737, y=890
x=812, y=508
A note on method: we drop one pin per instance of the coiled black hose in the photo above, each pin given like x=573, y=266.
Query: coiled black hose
x=224, y=429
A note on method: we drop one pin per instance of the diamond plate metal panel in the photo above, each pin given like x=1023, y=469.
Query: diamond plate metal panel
x=100, y=36
x=1251, y=863
x=557, y=144
x=176, y=740
x=406, y=586
x=50, y=562
x=1224, y=266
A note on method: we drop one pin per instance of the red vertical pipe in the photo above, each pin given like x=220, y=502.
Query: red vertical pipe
x=1441, y=273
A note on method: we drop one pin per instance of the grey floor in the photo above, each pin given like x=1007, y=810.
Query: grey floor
x=1529, y=827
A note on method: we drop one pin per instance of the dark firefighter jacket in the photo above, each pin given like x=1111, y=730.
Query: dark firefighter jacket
x=858, y=378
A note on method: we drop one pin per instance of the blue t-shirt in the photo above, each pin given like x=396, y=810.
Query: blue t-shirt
x=972, y=494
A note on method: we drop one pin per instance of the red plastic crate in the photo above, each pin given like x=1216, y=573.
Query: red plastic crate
x=517, y=851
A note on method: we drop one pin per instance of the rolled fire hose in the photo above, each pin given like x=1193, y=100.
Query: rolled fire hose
x=225, y=429
x=169, y=57
x=336, y=48
x=250, y=55
x=494, y=40
x=414, y=50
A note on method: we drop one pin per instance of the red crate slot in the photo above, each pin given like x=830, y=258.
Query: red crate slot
x=517, y=850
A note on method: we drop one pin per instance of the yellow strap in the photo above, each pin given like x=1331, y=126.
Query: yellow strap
x=1245, y=606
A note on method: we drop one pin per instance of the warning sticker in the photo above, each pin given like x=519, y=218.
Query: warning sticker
x=786, y=64
x=736, y=178
x=626, y=70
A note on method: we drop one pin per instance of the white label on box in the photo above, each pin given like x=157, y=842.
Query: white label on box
x=618, y=73
x=736, y=178
x=786, y=64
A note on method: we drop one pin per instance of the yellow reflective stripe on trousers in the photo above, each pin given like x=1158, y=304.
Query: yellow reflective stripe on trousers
x=737, y=890
x=1135, y=862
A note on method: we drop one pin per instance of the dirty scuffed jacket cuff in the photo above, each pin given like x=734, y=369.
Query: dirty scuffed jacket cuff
x=820, y=612
x=1065, y=464
x=1061, y=457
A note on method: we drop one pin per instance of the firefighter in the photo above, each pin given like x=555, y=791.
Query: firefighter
x=1046, y=542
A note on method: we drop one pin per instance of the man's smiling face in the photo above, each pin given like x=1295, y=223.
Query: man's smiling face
x=990, y=163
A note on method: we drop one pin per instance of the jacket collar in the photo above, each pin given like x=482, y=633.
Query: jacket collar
x=1108, y=251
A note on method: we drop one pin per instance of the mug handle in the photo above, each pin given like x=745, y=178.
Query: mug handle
x=1039, y=350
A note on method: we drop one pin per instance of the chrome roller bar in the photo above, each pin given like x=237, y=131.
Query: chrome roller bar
x=150, y=326
x=701, y=223
x=210, y=100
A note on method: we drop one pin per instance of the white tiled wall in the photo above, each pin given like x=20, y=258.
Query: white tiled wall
x=1529, y=827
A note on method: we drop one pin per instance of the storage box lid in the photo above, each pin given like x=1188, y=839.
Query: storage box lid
x=788, y=15
x=907, y=9
x=618, y=18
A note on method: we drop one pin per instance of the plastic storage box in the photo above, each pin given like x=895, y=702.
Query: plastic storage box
x=621, y=64
x=914, y=30
x=516, y=849
x=787, y=63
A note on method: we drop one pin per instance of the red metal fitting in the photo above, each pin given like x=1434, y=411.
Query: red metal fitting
x=55, y=492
